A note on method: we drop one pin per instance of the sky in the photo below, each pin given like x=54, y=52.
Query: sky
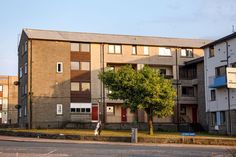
x=202, y=19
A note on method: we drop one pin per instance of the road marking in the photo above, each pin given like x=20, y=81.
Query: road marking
x=50, y=152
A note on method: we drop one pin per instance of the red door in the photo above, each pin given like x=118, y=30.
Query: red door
x=123, y=115
x=94, y=113
x=194, y=114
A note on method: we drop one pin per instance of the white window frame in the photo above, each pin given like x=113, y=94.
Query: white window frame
x=26, y=68
x=146, y=50
x=134, y=50
x=59, y=63
x=20, y=114
x=164, y=51
x=77, y=66
x=75, y=83
x=21, y=72
x=59, y=109
x=114, y=49
x=25, y=89
x=26, y=46
x=183, y=52
x=25, y=110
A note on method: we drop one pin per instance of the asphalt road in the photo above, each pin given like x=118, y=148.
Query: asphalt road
x=39, y=149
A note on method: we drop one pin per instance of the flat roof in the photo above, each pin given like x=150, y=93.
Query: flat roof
x=112, y=38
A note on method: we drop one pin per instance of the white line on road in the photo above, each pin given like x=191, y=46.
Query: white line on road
x=50, y=152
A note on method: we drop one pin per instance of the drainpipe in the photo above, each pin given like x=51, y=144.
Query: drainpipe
x=30, y=93
x=228, y=90
x=177, y=85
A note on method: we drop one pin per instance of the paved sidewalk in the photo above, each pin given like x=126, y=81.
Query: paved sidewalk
x=42, y=140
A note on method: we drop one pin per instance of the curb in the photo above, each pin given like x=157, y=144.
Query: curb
x=142, y=140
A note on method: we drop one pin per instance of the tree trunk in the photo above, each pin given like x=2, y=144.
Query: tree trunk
x=150, y=119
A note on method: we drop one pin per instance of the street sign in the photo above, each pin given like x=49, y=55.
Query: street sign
x=231, y=77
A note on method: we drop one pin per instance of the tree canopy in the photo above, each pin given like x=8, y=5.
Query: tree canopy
x=141, y=89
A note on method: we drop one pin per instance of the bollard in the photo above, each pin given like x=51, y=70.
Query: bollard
x=134, y=135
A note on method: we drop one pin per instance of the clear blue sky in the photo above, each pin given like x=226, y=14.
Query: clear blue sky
x=209, y=19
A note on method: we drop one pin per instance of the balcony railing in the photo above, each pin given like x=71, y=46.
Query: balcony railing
x=217, y=82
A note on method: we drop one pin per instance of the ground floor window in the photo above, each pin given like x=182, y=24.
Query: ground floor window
x=218, y=118
x=80, y=107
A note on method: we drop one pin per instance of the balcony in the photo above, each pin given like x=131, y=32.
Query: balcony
x=217, y=82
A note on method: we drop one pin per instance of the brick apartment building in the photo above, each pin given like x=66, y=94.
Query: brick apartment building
x=8, y=100
x=58, y=76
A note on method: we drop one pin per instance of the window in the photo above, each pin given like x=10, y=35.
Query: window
x=72, y=110
x=20, y=112
x=84, y=47
x=183, y=110
x=222, y=117
x=233, y=65
x=110, y=68
x=87, y=110
x=187, y=91
x=59, y=109
x=0, y=88
x=164, y=51
x=85, y=66
x=25, y=89
x=74, y=66
x=114, y=49
x=20, y=71
x=83, y=110
x=26, y=46
x=211, y=51
x=163, y=72
x=186, y=52
x=59, y=67
x=220, y=71
x=213, y=118
x=25, y=110
x=22, y=49
x=74, y=46
x=22, y=90
x=0, y=101
x=134, y=50
x=145, y=50
x=110, y=109
x=213, y=95
x=26, y=68
x=85, y=86
x=75, y=86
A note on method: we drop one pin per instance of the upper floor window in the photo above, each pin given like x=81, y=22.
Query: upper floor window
x=25, y=89
x=80, y=47
x=146, y=50
x=114, y=49
x=186, y=52
x=74, y=66
x=134, y=50
x=211, y=51
x=213, y=95
x=59, y=109
x=85, y=86
x=163, y=72
x=26, y=68
x=164, y=51
x=74, y=46
x=0, y=88
x=233, y=65
x=75, y=86
x=84, y=47
x=187, y=91
x=26, y=46
x=59, y=67
x=22, y=49
x=20, y=71
x=85, y=66
x=220, y=71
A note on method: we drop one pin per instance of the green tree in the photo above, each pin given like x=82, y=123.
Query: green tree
x=142, y=89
